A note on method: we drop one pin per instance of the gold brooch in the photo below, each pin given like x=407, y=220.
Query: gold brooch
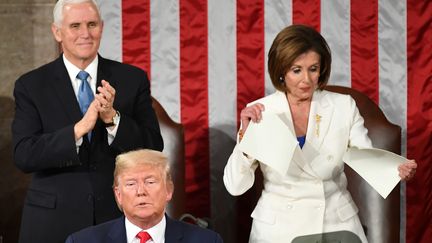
x=317, y=126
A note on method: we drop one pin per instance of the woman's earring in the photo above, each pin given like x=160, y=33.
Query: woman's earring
x=281, y=79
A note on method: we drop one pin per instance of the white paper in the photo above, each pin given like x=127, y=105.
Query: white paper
x=378, y=167
x=270, y=141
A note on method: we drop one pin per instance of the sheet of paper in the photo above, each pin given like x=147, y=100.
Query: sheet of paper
x=378, y=167
x=270, y=141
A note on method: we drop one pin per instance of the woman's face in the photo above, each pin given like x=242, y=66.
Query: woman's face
x=301, y=79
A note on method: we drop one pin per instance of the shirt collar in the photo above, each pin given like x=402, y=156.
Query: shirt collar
x=157, y=232
x=91, y=69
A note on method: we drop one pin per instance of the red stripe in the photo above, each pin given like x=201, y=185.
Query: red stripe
x=136, y=33
x=194, y=103
x=250, y=78
x=307, y=12
x=250, y=52
x=364, y=47
x=419, y=120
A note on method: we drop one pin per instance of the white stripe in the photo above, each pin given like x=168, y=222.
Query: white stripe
x=335, y=27
x=393, y=74
x=222, y=94
x=222, y=75
x=277, y=15
x=165, y=55
x=111, y=43
x=392, y=62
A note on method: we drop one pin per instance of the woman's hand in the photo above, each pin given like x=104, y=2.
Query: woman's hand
x=251, y=113
x=407, y=170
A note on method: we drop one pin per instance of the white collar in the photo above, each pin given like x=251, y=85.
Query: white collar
x=157, y=232
x=73, y=71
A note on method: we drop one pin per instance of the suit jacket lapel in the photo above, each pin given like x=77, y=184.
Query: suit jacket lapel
x=64, y=90
x=117, y=233
x=173, y=232
x=320, y=116
x=104, y=72
x=284, y=113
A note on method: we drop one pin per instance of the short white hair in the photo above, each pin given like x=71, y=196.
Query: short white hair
x=59, y=7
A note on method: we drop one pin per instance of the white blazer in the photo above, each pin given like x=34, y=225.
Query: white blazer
x=310, y=197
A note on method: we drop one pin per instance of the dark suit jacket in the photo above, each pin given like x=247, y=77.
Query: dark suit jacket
x=70, y=191
x=114, y=231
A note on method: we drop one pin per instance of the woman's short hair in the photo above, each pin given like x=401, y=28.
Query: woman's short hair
x=289, y=44
x=59, y=8
x=142, y=157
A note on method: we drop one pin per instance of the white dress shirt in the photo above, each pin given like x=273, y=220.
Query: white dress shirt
x=156, y=232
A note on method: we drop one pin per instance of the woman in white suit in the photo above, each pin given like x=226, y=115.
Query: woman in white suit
x=310, y=196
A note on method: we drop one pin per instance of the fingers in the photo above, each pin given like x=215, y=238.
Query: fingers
x=407, y=170
x=88, y=121
x=105, y=96
x=251, y=113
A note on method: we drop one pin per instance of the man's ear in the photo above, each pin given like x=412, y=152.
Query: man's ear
x=170, y=191
x=56, y=32
x=117, y=194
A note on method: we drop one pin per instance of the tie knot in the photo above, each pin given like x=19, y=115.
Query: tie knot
x=144, y=236
x=83, y=75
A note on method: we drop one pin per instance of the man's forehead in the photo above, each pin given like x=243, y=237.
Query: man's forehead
x=80, y=12
x=141, y=172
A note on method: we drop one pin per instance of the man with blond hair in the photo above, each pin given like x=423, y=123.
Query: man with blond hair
x=143, y=187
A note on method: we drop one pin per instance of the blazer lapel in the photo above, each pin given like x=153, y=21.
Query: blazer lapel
x=104, y=72
x=173, y=232
x=64, y=90
x=320, y=116
x=282, y=108
x=117, y=233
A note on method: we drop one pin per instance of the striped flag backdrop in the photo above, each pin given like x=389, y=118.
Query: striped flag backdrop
x=207, y=59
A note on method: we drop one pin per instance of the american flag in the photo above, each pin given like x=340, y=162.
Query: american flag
x=207, y=59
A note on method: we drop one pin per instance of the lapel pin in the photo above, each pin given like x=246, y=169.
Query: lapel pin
x=317, y=124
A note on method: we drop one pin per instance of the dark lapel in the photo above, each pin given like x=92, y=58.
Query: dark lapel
x=117, y=233
x=64, y=90
x=173, y=231
x=104, y=72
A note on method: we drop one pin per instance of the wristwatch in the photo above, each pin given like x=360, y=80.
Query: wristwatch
x=115, y=120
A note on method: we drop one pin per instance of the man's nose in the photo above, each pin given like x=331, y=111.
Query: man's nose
x=141, y=190
x=84, y=31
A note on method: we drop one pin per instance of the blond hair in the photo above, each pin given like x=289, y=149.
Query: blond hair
x=142, y=157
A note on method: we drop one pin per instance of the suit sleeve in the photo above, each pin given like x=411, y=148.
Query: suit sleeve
x=358, y=134
x=239, y=173
x=139, y=128
x=36, y=147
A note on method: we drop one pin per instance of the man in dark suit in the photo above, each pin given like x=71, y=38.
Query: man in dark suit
x=143, y=187
x=73, y=117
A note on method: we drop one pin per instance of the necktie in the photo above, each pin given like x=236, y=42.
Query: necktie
x=85, y=94
x=143, y=236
